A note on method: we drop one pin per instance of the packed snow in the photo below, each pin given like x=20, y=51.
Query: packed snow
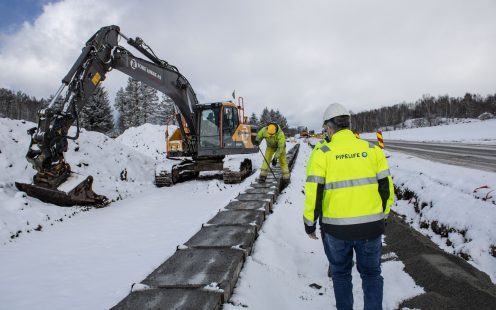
x=461, y=199
x=64, y=258
x=287, y=270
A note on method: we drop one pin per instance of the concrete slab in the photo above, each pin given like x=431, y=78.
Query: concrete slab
x=164, y=299
x=195, y=268
x=267, y=190
x=239, y=217
x=249, y=205
x=257, y=197
x=224, y=236
x=265, y=185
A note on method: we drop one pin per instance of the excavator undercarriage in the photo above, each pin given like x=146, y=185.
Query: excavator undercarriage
x=190, y=169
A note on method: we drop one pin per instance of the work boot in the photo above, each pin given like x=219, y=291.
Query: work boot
x=261, y=179
x=284, y=183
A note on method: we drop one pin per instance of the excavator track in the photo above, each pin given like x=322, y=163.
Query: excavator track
x=189, y=170
x=163, y=179
x=234, y=177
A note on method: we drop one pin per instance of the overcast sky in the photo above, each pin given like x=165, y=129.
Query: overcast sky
x=295, y=56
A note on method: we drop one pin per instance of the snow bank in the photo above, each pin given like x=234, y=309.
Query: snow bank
x=92, y=154
x=450, y=207
x=147, y=139
x=471, y=131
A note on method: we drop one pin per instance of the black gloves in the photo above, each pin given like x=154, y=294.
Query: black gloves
x=274, y=162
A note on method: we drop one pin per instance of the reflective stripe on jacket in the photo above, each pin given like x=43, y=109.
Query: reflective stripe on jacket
x=348, y=187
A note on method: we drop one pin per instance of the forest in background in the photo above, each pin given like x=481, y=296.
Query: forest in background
x=137, y=104
x=427, y=111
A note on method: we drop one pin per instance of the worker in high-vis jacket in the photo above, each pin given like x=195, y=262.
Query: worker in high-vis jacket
x=349, y=190
x=275, y=150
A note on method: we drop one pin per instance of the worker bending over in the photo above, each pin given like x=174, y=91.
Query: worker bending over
x=276, y=150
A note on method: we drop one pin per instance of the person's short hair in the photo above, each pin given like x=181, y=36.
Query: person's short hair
x=339, y=122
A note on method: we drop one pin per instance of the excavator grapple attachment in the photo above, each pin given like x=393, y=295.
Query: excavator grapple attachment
x=82, y=194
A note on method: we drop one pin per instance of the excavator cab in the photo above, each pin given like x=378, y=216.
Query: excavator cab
x=222, y=131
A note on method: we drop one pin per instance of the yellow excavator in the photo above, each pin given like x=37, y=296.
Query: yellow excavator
x=205, y=135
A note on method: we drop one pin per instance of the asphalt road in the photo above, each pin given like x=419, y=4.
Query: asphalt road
x=477, y=156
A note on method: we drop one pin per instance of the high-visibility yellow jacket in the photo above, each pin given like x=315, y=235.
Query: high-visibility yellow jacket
x=320, y=144
x=348, y=187
x=277, y=141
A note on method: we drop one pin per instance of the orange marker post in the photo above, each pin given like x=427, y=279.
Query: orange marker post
x=380, y=141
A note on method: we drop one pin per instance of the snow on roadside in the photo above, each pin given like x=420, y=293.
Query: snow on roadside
x=287, y=270
x=448, y=202
x=92, y=154
x=474, y=131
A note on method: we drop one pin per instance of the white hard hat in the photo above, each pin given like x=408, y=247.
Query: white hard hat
x=333, y=110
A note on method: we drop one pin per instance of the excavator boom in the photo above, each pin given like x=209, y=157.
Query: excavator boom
x=101, y=54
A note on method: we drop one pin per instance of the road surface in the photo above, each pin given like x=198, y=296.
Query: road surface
x=477, y=156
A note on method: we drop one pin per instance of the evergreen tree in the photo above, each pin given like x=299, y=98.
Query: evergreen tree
x=164, y=113
x=96, y=114
x=148, y=103
x=264, y=118
x=269, y=116
x=280, y=120
x=128, y=104
x=131, y=112
x=120, y=107
x=253, y=119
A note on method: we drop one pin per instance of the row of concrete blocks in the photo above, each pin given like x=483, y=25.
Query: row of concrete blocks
x=203, y=272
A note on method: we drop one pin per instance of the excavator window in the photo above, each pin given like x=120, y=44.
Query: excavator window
x=209, y=128
x=230, y=122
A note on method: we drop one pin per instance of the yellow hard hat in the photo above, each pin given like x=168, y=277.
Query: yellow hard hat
x=271, y=129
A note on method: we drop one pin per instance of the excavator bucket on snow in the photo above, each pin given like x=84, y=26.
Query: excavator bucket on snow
x=66, y=194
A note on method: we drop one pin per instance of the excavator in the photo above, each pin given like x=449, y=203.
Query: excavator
x=206, y=132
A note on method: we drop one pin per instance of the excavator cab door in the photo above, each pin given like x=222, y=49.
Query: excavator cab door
x=230, y=122
x=210, y=128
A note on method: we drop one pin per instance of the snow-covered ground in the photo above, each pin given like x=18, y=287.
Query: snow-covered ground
x=285, y=262
x=467, y=131
x=88, y=260
x=92, y=154
x=63, y=258
x=459, y=200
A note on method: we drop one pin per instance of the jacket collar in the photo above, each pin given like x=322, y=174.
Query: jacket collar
x=343, y=134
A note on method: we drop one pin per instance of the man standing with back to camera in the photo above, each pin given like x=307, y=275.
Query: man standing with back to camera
x=350, y=189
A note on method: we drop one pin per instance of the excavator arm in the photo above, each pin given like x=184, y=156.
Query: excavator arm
x=101, y=54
